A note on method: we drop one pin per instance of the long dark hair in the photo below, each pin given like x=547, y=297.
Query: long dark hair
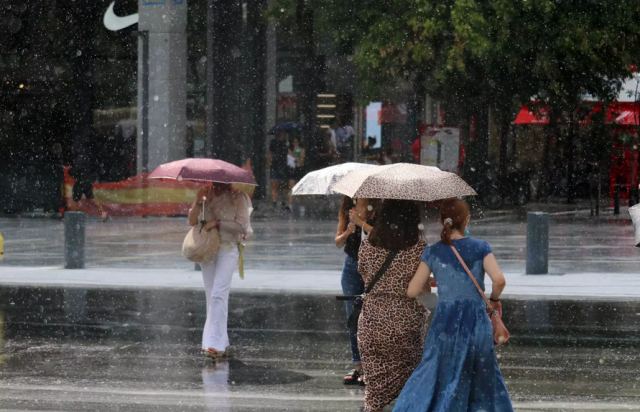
x=453, y=216
x=396, y=225
x=343, y=214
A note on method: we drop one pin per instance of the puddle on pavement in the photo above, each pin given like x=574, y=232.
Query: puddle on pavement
x=235, y=372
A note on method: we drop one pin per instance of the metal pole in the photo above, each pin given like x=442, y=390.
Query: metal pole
x=537, y=243
x=74, y=235
x=210, y=75
x=144, y=36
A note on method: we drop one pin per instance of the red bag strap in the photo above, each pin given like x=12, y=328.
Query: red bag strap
x=473, y=278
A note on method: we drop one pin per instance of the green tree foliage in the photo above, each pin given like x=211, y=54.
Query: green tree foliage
x=475, y=55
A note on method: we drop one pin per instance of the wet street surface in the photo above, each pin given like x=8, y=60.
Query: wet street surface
x=577, y=242
x=138, y=351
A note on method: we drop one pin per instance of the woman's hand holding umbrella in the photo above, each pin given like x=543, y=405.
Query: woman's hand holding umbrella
x=203, y=194
x=355, y=218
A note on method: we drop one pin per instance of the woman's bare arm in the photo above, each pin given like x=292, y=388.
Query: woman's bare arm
x=341, y=236
x=498, y=281
x=419, y=284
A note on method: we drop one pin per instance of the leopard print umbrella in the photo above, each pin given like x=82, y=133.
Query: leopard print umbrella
x=403, y=181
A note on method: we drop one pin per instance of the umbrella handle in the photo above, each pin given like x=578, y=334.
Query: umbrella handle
x=202, y=219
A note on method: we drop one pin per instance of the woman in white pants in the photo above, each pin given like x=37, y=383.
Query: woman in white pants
x=227, y=211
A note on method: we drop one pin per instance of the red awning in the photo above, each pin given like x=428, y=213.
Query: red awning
x=624, y=114
x=528, y=116
x=620, y=113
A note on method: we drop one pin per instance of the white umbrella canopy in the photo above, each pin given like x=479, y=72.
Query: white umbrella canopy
x=406, y=181
x=319, y=181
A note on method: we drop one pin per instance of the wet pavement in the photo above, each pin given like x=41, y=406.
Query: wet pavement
x=134, y=346
x=577, y=242
x=138, y=351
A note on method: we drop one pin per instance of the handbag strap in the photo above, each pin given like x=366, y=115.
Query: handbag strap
x=473, y=278
x=387, y=262
x=202, y=219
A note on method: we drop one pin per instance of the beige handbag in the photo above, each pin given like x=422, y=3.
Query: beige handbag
x=200, y=245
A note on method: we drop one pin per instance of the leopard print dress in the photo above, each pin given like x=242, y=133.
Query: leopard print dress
x=392, y=327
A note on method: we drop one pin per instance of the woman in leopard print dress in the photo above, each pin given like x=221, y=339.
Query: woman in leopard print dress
x=391, y=327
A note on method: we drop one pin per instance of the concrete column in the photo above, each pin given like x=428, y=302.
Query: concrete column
x=270, y=93
x=162, y=24
x=634, y=212
x=537, y=243
x=74, y=234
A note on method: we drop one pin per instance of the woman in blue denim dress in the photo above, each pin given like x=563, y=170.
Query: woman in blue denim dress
x=459, y=370
x=355, y=217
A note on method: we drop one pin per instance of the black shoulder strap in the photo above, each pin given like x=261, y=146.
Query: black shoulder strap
x=387, y=262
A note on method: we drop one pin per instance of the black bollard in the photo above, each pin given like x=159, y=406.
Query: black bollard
x=74, y=229
x=537, y=243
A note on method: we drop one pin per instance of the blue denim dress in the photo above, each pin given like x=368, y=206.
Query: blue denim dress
x=459, y=370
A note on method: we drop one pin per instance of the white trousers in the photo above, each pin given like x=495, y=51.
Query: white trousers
x=217, y=276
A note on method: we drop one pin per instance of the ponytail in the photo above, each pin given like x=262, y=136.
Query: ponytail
x=453, y=215
x=447, y=226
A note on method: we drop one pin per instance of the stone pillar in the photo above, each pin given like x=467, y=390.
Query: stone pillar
x=537, y=243
x=162, y=26
x=270, y=95
x=74, y=236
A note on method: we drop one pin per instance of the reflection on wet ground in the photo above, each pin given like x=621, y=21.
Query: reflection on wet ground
x=577, y=243
x=139, y=350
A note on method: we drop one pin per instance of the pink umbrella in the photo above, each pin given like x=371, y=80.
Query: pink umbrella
x=203, y=170
x=207, y=170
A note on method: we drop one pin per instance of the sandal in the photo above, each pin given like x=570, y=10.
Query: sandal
x=214, y=354
x=353, y=378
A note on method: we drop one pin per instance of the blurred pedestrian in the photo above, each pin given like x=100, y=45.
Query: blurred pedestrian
x=392, y=326
x=84, y=173
x=277, y=161
x=295, y=165
x=332, y=132
x=354, y=223
x=55, y=166
x=228, y=211
x=324, y=152
x=385, y=157
x=416, y=146
x=345, y=135
x=459, y=370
